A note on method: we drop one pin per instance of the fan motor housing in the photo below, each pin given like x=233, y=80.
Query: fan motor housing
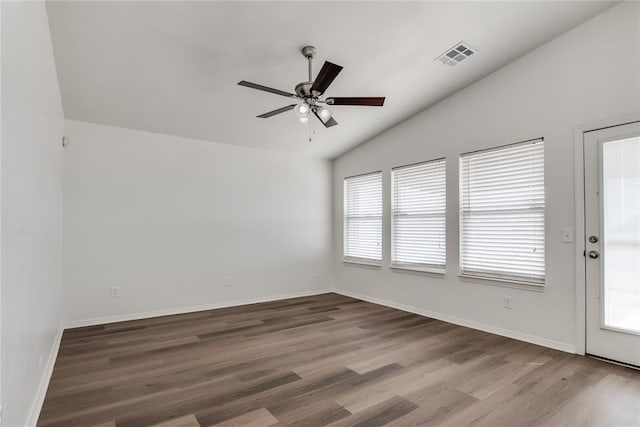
x=303, y=89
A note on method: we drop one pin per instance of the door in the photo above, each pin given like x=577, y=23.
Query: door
x=612, y=231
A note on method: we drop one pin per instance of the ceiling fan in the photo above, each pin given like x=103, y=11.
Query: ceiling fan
x=308, y=95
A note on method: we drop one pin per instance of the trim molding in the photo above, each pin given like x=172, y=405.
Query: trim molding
x=190, y=309
x=557, y=345
x=579, y=239
x=38, y=400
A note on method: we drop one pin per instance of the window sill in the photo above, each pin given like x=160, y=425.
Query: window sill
x=362, y=263
x=427, y=270
x=504, y=283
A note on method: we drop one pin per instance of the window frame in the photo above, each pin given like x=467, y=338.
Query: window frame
x=420, y=267
x=371, y=262
x=505, y=279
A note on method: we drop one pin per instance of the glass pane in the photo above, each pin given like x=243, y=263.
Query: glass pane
x=621, y=240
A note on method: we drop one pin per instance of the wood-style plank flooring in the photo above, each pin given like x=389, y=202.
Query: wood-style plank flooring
x=323, y=360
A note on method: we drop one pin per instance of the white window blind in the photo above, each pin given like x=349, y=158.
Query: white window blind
x=418, y=216
x=363, y=218
x=502, y=213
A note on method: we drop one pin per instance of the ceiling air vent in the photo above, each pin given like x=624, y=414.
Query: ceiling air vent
x=458, y=53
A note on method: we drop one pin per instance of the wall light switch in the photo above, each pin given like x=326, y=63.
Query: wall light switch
x=567, y=235
x=115, y=292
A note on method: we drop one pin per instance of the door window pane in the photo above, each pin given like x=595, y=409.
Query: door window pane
x=621, y=221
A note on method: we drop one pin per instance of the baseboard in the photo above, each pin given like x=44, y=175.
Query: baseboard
x=189, y=309
x=557, y=345
x=38, y=400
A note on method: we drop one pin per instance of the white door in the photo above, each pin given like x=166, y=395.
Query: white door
x=612, y=231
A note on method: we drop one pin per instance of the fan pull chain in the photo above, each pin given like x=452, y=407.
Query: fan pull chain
x=312, y=128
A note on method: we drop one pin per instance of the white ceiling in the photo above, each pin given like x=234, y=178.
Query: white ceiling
x=172, y=66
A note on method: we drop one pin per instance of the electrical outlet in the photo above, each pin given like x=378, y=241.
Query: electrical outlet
x=115, y=292
x=507, y=302
x=228, y=282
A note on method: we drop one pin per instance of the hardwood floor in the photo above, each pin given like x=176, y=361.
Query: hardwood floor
x=322, y=360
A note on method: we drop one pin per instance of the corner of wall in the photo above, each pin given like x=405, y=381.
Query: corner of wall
x=41, y=391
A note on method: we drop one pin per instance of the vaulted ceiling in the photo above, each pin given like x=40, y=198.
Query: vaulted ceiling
x=172, y=67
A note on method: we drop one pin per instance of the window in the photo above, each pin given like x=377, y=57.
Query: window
x=418, y=216
x=363, y=218
x=502, y=213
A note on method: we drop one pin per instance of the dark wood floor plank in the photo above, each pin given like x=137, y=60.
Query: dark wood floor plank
x=322, y=411
x=321, y=360
x=258, y=418
x=379, y=414
x=185, y=421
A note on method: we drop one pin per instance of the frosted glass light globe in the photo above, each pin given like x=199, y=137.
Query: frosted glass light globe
x=302, y=110
x=324, y=113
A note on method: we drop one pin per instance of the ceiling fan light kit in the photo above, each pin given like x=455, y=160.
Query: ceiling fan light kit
x=324, y=113
x=302, y=110
x=308, y=94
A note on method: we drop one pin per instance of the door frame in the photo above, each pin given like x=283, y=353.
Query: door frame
x=580, y=232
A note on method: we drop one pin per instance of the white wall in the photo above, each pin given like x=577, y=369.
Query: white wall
x=169, y=219
x=589, y=74
x=32, y=126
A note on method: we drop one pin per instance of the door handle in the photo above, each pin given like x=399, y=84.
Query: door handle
x=594, y=254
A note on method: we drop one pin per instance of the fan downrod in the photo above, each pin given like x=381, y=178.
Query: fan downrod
x=303, y=89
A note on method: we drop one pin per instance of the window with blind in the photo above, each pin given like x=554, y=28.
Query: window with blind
x=502, y=213
x=418, y=216
x=363, y=218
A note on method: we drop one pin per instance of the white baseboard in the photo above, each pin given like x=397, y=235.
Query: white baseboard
x=189, y=309
x=38, y=400
x=557, y=345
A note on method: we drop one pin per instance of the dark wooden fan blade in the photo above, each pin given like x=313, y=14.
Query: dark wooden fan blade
x=278, y=111
x=327, y=74
x=363, y=100
x=328, y=123
x=266, y=89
